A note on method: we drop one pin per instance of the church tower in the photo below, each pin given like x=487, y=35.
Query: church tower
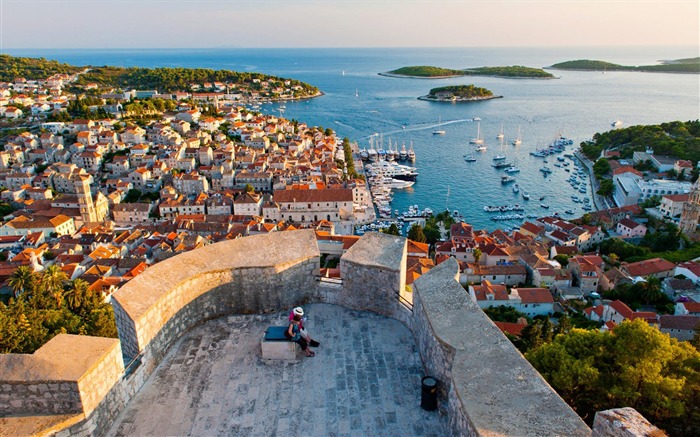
x=691, y=210
x=81, y=183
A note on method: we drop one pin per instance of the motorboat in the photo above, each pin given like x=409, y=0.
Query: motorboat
x=616, y=123
x=526, y=195
x=499, y=157
x=544, y=205
x=507, y=179
x=481, y=148
x=516, y=188
x=470, y=158
x=512, y=170
x=546, y=170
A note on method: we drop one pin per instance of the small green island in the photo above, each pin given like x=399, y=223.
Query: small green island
x=430, y=72
x=459, y=93
x=686, y=65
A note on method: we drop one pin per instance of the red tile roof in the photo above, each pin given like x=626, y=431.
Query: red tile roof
x=648, y=267
x=535, y=295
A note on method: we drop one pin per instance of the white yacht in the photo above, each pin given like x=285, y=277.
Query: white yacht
x=499, y=157
x=616, y=123
x=403, y=154
x=481, y=148
x=478, y=139
x=411, y=154
x=439, y=131
x=518, y=141
x=500, y=135
x=516, y=188
x=512, y=170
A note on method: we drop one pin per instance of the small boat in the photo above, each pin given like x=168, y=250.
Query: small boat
x=546, y=170
x=470, y=158
x=476, y=119
x=512, y=170
x=542, y=198
x=500, y=134
x=403, y=154
x=499, y=157
x=616, y=123
x=516, y=188
x=518, y=141
x=478, y=139
x=411, y=154
x=568, y=211
x=481, y=148
x=526, y=195
x=439, y=131
x=544, y=205
x=507, y=179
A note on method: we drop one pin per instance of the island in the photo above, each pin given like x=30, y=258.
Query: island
x=686, y=65
x=430, y=72
x=459, y=93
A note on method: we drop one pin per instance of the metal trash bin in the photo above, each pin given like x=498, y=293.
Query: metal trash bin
x=428, y=399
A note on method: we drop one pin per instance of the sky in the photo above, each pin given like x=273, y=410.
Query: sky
x=346, y=23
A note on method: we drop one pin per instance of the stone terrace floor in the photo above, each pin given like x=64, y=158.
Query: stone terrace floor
x=364, y=380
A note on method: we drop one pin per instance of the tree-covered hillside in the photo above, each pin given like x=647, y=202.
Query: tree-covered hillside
x=12, y=67
x=461, y=91
x=676, y=138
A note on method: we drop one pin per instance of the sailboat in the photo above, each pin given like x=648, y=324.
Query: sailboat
x=500, y=134
x=357, y=94
x=518, y=141
x=439, y=131
x=478, y=139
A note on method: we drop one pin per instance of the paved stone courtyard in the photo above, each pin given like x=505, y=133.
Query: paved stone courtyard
x=364, y=380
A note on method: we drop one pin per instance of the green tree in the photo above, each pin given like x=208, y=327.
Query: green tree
x=132, y=196
x=392, y=230
x=562, y=259
x=477, y=255
x=633, y=365
x=249, y=188
x=22, y=280
x=52, y=280
x=601, y=167
x=606, y=188
x=415, y=233
x=564, y=325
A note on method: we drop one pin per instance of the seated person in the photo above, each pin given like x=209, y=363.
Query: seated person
x=293, y=333
x=304, y=333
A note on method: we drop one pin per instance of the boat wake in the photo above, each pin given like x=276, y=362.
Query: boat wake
x=408, y=128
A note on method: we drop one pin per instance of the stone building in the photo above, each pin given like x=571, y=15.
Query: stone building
x=691, y=210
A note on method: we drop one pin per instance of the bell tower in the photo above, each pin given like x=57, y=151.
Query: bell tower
x=691, y=210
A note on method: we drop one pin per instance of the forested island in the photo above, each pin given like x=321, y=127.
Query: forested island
x=686, y=65
x=161, y=79
x=430, y=72
x=459, y=93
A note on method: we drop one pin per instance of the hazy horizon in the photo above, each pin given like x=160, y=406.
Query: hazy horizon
x=213, y=24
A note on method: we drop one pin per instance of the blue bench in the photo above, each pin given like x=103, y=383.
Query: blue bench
x=276, y=346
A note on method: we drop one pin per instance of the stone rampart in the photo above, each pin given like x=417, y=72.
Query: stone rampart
x=373, y=272
x=489, y=387
x=70, y=374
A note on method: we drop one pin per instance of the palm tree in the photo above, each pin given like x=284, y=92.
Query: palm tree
x=76, y=293
x=22, y=279
x=477, y=255
x=53, y=281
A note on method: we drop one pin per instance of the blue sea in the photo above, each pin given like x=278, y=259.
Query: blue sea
x=578, y=105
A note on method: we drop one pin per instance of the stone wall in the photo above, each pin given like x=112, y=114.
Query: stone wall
x=68, y=375
x=623, y=422
x=373, y=271
x=488, y=388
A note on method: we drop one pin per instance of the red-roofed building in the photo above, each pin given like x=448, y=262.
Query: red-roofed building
x=587, y=271
x=687, y=309
x=617, y=311
x=656, y=267
x=534, y=301
x=689, y=269
x=629, y=228
x=681, y=328
x=672, y=204
x=627, y=169
x=514, y=329
x=487, y=294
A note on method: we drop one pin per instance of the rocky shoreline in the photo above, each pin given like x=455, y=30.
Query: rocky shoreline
x=428, y=98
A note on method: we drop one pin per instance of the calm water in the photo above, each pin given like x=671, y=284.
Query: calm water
x=579, y=104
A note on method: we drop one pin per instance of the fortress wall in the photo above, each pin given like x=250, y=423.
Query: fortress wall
x=373, y=272
x=490, y=388
x=68, y=375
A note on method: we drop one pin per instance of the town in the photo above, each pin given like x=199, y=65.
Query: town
x=102, y=184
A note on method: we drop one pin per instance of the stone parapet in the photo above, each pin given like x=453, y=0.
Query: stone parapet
x=254, y=274
x=489, y=387
x=70, y=374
